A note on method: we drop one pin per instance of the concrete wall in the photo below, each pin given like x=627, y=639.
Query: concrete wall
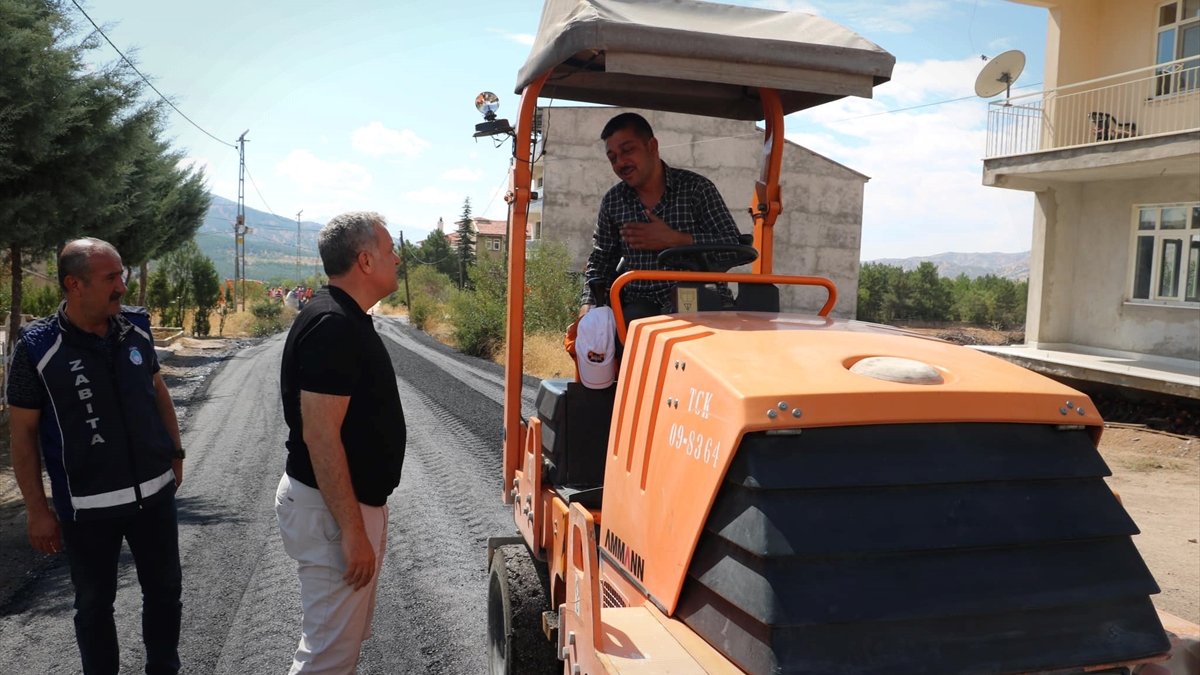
x=1083, y=264
x=819, y=232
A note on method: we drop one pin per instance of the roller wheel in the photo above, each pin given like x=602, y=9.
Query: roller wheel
x=517, y=596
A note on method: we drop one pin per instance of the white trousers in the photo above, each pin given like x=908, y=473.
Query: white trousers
x=337, y=618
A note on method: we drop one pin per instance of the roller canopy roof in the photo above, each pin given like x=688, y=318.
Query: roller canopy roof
x=698, y=57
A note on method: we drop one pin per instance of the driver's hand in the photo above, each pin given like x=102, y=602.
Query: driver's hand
x=654, y=235
x=584, y=309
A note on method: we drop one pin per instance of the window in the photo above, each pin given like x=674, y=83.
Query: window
x=494, y=244
x=1166, y=253
x=1178, y=38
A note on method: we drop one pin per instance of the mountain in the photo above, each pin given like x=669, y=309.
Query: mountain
x=1013, y=266
x=270, y=244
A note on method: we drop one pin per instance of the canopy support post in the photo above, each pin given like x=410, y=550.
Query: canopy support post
x=518, y=197
x=767, y=203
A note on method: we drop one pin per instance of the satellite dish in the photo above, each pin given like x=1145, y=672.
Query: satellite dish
x=999, y=74
x=487, y=103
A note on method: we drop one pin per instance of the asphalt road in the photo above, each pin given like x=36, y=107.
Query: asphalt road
x=241, y=597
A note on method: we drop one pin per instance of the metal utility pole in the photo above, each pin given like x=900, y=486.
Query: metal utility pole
x=239, y=227
x=404, y=264
x=298, y=245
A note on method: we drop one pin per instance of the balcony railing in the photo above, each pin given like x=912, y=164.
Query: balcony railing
x=1153, y=101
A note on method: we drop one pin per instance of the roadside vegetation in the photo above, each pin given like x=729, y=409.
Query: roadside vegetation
x=888, y=294
x=463, y=301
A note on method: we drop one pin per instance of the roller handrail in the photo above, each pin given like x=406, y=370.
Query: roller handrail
x=614, y=293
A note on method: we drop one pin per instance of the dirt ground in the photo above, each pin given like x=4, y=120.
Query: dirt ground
x=1156, y=474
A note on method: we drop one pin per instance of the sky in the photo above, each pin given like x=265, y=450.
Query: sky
x=369, y=104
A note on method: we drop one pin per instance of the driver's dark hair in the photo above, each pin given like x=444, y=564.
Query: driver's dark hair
x=637, y=123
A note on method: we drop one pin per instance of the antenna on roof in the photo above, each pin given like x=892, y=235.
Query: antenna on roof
x=999, y=74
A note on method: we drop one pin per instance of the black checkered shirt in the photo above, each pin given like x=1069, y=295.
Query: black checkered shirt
x=689, y=204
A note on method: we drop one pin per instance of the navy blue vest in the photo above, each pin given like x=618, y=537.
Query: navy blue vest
x=104, y=444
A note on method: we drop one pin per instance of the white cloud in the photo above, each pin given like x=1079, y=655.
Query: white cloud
x=519, y=38
x=869, y=16
x=377, y=140
x=433, y=195
x=925, y=195
x=314, y=175
x=462, y=174
x=932, y=80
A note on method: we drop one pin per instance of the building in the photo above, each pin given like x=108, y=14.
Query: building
x=1111, y=150
x=819, y=232
x=490, y=237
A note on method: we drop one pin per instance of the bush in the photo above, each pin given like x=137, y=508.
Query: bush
x=478, y=323
x=431, y=291
x=396, y=298
x=39, y=300
x=423, y=309
x=552, y=298
x=268, y=318
x=478, y=314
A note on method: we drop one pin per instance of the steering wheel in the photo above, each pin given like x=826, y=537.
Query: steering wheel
x=692, y=257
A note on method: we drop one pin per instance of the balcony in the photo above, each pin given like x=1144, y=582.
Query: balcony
x=1158, y=102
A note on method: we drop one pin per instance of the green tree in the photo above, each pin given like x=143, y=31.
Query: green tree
x=68, y=133
x=883, y=293
x=206, y=290
x=164, y=205
x=466, y=243
x=158, y=295
x=435, y=251
x=191, y=282
x=930, y=299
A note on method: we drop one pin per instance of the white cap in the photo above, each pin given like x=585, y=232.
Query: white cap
x=595, y=348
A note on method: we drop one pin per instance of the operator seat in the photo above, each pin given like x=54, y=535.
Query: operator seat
x=575, y=426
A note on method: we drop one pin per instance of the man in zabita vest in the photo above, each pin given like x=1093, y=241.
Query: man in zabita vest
x=89, y=405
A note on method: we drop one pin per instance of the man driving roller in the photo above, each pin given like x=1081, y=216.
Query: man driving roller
x=654, y=207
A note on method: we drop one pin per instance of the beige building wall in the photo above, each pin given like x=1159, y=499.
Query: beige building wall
x=819, y=232
x=1086, y=39
x=1084, y=220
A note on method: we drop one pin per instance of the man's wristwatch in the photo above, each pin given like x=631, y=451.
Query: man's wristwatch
x=179, y=453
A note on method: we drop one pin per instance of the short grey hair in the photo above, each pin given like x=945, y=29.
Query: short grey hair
x=344, y=237
x=75, y=258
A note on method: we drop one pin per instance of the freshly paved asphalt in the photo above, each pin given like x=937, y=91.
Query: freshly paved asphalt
x=241, y=596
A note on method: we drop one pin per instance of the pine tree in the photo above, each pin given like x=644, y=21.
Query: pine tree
x=466, y=243
x=67, y=136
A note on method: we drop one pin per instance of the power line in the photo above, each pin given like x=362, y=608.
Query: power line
x=147, y=80
x=847, y=119
x=264, y=201
x=923, y=105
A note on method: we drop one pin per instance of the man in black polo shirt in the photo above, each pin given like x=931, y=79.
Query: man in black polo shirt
x=345, y=445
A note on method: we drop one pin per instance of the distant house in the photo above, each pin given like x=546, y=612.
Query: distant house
x=491, y=236
x=1111, y=149
x=818, y=233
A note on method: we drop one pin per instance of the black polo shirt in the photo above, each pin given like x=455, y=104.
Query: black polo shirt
x=333, y=348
